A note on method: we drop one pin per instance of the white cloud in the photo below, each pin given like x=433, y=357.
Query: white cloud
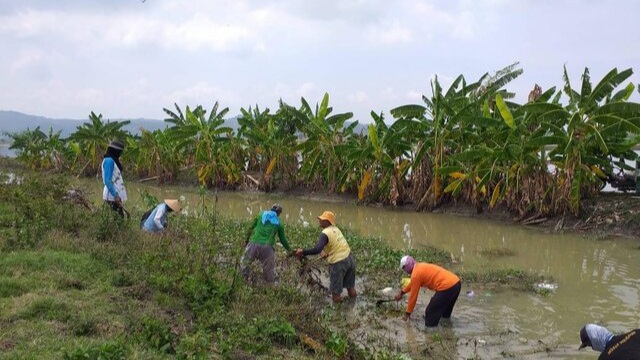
x=26, y=59
x=390, y=33
x=308, y=90
x=202, y=94
x=128, y=59
x=433, y=19
x=358, y=97
x=414, y=95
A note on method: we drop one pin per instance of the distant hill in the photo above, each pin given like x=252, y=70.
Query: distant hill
x=13, y=121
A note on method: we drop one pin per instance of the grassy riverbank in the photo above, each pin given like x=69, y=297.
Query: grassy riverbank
x=73, y=287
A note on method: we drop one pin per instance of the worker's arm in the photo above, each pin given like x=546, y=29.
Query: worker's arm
x=107, y=175
x=252, y=226
x=323, y=240
x=158, y=218
x=283, y=238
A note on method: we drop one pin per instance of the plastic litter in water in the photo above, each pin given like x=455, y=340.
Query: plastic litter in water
x=546, y=286
x=470, y=293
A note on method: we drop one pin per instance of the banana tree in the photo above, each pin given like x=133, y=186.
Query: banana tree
x=94, y=136
x=153, y=154
x=270, y=145
x=39, y=150
x=325, y=133
x=443, y=131
x=379, y=158
x=592, y=128
x=204, y=135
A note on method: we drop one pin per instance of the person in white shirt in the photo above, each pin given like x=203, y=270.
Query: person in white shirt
x=156, y=219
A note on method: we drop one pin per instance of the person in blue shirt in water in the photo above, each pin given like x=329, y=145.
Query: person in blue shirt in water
x=114, y=192
x=156, y=220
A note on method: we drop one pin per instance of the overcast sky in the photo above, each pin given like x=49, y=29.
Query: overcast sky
x=129, y=59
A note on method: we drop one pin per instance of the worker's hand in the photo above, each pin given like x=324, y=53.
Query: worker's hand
x=299, y=253
x=323, y=254
x=118, y=200
x=405, y=317
x=399, y=296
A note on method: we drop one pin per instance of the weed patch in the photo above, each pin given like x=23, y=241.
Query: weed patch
x=47, y=308
x=10, y=287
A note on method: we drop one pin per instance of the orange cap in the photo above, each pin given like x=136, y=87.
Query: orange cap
x=329, y=216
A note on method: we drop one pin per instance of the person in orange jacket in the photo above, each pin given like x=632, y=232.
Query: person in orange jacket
x=446, y=284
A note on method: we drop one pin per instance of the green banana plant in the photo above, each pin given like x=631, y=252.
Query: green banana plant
x=324, y=135
x=94, y=136
x=270, y=145
x=204, y=135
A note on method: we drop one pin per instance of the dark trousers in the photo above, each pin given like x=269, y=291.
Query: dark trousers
x=441, y=305
x=116, y=207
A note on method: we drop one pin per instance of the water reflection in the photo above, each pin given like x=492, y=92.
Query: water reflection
x=597, y=281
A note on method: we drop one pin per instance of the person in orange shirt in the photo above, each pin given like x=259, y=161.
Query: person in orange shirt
x=446, y=284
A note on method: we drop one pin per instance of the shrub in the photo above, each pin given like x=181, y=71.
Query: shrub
x=157, y=334
x=111, y=350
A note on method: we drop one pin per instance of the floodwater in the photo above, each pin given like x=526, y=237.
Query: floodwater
x=597, y=280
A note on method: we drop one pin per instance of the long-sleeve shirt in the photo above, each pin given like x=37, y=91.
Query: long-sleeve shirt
x=265, y=233
x=332, y=241
x=322, y=242
x=157, y=220
x=431, y=276
x=112, y=180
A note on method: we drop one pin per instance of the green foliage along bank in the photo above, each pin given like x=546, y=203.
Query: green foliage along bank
x=469, y=143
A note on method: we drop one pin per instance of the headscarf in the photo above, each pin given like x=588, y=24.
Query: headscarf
x=270, y=216
x=115, y=155
x=409, y=263
x=599, y=336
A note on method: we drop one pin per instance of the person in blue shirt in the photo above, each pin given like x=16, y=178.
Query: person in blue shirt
x=156, y=220
x=114, y=192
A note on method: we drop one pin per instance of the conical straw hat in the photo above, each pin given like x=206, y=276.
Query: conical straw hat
x=173, y=204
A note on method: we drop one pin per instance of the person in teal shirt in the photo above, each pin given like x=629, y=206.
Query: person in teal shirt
x=261, y=239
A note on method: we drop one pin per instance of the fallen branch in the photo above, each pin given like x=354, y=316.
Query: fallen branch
x=535, y=221
x=252, y=179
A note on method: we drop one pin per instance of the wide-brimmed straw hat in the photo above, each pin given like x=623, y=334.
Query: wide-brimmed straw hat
x=173, y=204
x=329, y=216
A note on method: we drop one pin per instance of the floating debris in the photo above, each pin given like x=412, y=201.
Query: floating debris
x=546, y=286
x=471, y=294
x=387, y=291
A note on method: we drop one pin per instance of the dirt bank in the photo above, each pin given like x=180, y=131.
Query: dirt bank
x=606, y=215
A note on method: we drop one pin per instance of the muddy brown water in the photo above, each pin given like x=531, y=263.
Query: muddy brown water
x=597, y=280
